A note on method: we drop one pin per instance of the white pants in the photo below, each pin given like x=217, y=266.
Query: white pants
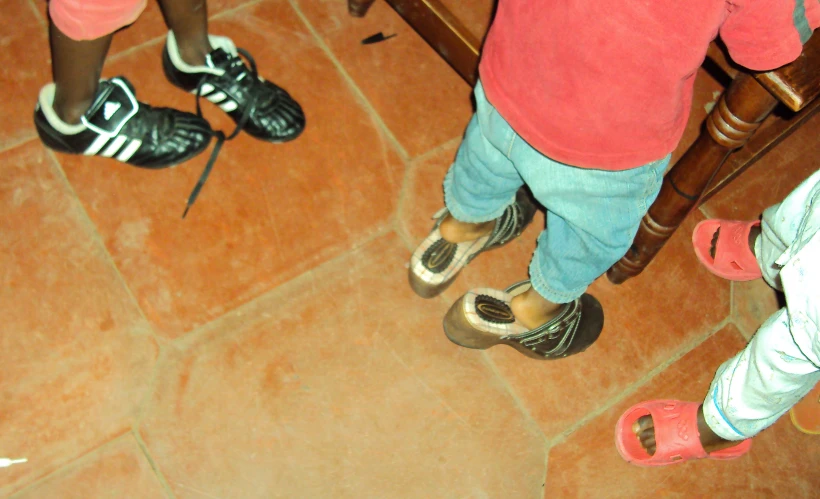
x=781, y=363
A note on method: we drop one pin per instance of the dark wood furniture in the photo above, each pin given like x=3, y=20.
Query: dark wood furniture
x=740, y=129
x=439, y=27
x=735, y=124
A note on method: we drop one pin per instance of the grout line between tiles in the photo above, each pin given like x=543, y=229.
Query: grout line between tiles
x=639, y=383
x=151, y=388
x=37, y=14
x=546, y=471
x=185, y=339
x=494, y=370
x=404, y=237
x=163, y=482
x=404, y=192
x=705, y=211
x=516, y=399
x=409, y=168
x=232, y=10
x=357, y=92
x=136, y=48
x=70, y=465
x=437, y=149
x=18, y=143
x=98, y=239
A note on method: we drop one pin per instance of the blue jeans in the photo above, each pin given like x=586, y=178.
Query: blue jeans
x=592, y=215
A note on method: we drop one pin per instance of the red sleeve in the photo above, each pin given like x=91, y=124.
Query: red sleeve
x=766, y=34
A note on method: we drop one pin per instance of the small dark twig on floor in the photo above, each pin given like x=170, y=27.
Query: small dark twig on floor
x=378, y=37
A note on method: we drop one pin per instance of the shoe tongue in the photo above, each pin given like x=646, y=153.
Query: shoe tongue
x=114, y=105
x=219, y=58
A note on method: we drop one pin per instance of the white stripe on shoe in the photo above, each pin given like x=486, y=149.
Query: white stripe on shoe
x=129, y=151
x=114, y=146
x=217, y=97
x=229, y=106
x=95, y=146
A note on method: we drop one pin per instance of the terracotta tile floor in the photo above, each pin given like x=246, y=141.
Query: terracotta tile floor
x=268, y=345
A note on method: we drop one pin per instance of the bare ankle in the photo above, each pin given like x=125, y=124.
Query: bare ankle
x=455, y=231
x=708, y=438
x=71, y=113
x=532, y=310
x=754, y=233
x=194, y=52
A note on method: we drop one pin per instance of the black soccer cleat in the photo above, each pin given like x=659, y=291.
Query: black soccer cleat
x=259, y=107
x=118, y=126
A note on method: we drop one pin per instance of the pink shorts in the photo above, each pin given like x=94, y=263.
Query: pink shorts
x=90, y=19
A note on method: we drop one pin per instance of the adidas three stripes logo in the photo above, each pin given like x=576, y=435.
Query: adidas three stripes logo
x=113, y=146
x=217, y=97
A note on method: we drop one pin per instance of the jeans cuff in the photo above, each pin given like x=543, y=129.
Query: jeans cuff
x=457, y=209
x=539, y=283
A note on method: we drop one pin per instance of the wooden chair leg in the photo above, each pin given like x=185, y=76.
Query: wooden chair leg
x=741, y=109
x=358, y=8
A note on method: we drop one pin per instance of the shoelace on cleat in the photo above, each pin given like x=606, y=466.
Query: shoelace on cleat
x=238, y=71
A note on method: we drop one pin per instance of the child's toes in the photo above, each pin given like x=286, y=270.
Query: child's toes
x=648, y=442
x=643, y=423
x=713, y=249
x=644, y=429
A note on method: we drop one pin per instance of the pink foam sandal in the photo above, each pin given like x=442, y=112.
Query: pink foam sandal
x=676, y=435
x=733, y=259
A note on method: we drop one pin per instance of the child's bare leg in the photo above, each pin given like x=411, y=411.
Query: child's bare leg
x=76, y=67
x=188, y=19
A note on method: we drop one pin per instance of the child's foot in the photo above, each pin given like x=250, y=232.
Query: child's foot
x=483, y=318
x=118, y=126
x=753, y=233
x=455, y=231
x=531, y=310
x=726, y=248
x=644, y=429
x=259, y=107
x=664, y=432
x=437, y=261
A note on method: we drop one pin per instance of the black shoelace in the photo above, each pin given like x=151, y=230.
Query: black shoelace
x=236, y=70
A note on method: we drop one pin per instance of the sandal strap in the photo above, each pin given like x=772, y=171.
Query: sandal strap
x=732, y=246
x=561, y=328
x=676, y=430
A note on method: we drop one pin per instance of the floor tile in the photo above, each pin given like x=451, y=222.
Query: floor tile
x=771, y=179
x=76, y=353
x=637, y=337
x=422, y=101
x=268, y=212
x=329, y=386
x=23, y=73
x=782, y=462
x=752, y=303
x=647, y=319
x=116, y=471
